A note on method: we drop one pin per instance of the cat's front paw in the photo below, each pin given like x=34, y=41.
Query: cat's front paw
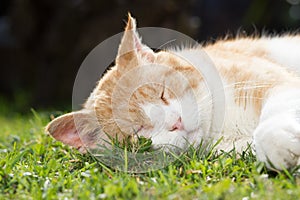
x=277, y=142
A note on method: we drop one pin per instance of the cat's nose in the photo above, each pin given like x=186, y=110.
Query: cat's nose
x=178, y=125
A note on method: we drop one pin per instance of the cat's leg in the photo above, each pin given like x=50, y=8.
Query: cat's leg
x=277, y=137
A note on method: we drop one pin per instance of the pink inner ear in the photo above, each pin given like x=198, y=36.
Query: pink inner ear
x=71, y=137
x=137, y=43
x=64, y=130
x=145, y=51
x=149, y=55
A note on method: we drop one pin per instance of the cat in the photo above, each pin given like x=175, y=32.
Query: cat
x=161, y=96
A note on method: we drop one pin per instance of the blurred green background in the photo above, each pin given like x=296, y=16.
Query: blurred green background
x=43, y=42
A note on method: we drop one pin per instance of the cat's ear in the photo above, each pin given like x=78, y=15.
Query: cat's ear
x=131, y=49
x=75, y=129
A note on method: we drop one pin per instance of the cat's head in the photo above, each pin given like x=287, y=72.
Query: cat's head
x=158, y=95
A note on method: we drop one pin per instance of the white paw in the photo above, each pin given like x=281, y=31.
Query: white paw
x=277, y=142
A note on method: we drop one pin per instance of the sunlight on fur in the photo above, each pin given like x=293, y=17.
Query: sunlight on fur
x=160, y=96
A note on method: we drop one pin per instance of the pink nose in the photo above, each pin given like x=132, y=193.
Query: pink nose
x=178, y=125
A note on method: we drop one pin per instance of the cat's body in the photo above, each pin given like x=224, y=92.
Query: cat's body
x=253, y=70
x=162, y=97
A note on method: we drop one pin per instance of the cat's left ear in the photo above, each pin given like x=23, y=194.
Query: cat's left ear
x=78, y=129
x=131, y=50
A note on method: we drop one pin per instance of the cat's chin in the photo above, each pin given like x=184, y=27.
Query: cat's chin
x=169, y=148
x=170, y=141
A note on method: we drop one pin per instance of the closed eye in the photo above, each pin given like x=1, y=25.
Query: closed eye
x=162, y=93
x=162, y=97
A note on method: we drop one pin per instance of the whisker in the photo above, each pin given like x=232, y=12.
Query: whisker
x=248, y=97
x=168, y=42
x=250, y=87
x=249, y=81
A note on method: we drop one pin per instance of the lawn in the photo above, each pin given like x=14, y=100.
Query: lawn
x=34, y=166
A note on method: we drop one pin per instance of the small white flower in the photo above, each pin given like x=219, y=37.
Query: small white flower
x=154, y=180
x=86, y=174
x=27, y=174
x=102, y=196
x=3, y=151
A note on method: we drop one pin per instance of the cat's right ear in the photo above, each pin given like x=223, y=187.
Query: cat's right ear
x=75, y=129
x=131, y=49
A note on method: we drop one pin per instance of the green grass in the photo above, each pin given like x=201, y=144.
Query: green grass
x=34, y=166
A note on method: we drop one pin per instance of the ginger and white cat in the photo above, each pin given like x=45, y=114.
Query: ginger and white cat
x=160, y=95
